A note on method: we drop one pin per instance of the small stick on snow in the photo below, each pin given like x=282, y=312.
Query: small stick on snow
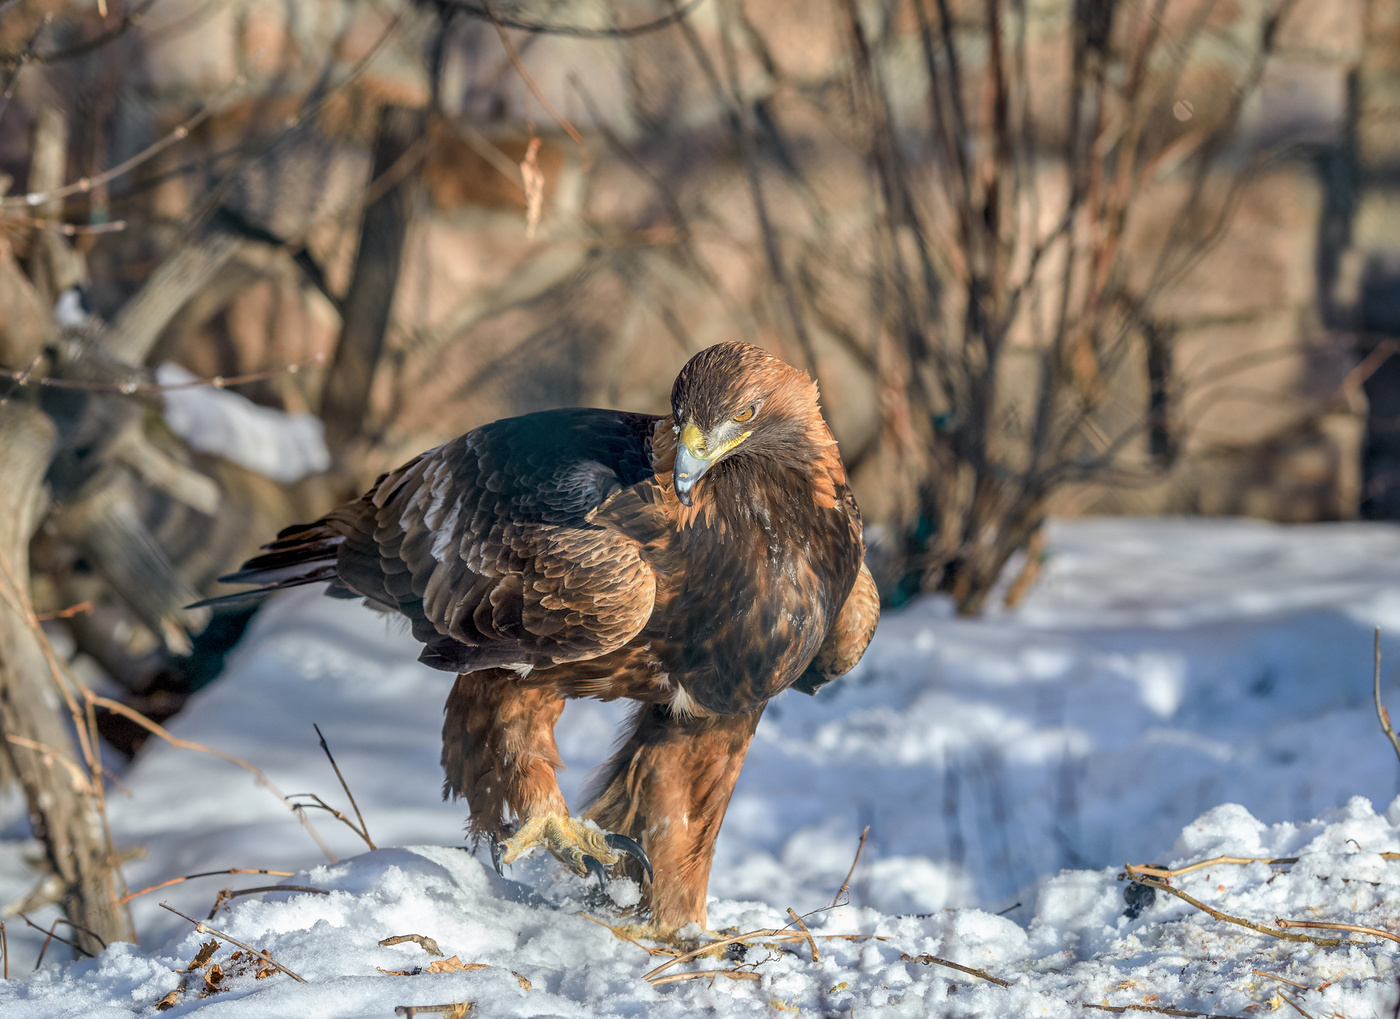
x=363, y=830
x=627, y=937
x=805, y=932
x=1295, y=1005
x=1282, y=980
x=1226, y=917
x=1120, y=1009
x=933, y=960
x=774, y=932
x=5, y=948
x=733, y=974
x=204, y=928
x=207, y=873
x=1162, y=872
x=455, y=1009
x=1338, y=927
x=1381, y=713
x=427, y=944
x=846, y=884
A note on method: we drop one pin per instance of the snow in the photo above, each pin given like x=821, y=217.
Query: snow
x=1171, y=691
x=276, y=444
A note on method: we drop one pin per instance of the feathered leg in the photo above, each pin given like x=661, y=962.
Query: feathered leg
x=498, y=749
x=668, y=787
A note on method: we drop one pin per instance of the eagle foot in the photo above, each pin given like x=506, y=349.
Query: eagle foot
x=580, y=845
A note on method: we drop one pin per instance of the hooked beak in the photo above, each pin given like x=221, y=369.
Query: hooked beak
x=695, y=456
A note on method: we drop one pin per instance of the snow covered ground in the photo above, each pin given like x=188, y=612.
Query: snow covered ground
x=1171, y=691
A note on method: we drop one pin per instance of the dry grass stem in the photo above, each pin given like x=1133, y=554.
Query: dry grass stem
x=775, y=932
x=204, y=928
x=1284, y=924
x=700, y=974
x=933, y=960
x=453, y=1009
x=321, y=804
x=1158, y=1010
x=1163, y=873
x=1216, y=914
x=1296, y=1007
x=846, y=884
x=619, y=932
x=1381, y=713
x=51, y=936
x=207, y=873
x=568, y=128
x=363, y=830
x=1282, y=980
x=427, y=944
x=805, y=933
x=83, y=185
x=185, y=744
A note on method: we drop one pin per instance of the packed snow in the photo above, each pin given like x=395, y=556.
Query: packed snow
x=274, y=443
x=1170, y=692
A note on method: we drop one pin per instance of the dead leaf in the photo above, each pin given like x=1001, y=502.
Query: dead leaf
x=400, y=972
x=427, y=944
x=264, y=972
x=455, y=965
x=205, y=953
x=523, y=982
x=169, y=1001
x=214, y=977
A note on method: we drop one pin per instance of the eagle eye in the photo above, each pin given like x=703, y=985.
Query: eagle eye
x=746, y=414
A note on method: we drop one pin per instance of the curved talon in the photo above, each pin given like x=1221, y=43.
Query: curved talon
x=623, y=844
x=595, y=868
x=498, y=849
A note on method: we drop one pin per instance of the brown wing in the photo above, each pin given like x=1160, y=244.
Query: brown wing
x=848, y=637
x=487, y=543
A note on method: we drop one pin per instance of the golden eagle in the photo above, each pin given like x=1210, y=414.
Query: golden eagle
x=699, y=564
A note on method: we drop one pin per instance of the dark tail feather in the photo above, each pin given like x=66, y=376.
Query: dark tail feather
x=301, y=555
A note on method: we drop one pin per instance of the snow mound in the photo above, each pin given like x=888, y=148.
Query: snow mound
x=516, y=950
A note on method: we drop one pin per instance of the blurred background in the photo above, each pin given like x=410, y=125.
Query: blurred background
x=1044, y=257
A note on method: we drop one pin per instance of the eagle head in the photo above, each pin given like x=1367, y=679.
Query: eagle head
x=737, y=400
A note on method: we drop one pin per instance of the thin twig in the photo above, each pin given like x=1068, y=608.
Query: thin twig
x=27, y=377
x=1284, y=924
x=83, y=185
x=204, y=928
x=5, y=949
x=1283, y=980
x=452, y=1008
x=51, y=936
x=627, y=937
x=569, y=128
x=734, y=939
x=1297, y=1007
x=846, y=884
x=207, y=873
x=229, y=894
x=185, y=744
x=578, y=32
x=1120, y=1009
x=933, y=960
x=732, y=974
x=805, y=933
x=364, y=828
x=321, y=804
x=1226, y=917
x=1381, y=713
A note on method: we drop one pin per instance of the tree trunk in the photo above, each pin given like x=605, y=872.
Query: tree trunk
x=63, y=807
x=345, y=401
